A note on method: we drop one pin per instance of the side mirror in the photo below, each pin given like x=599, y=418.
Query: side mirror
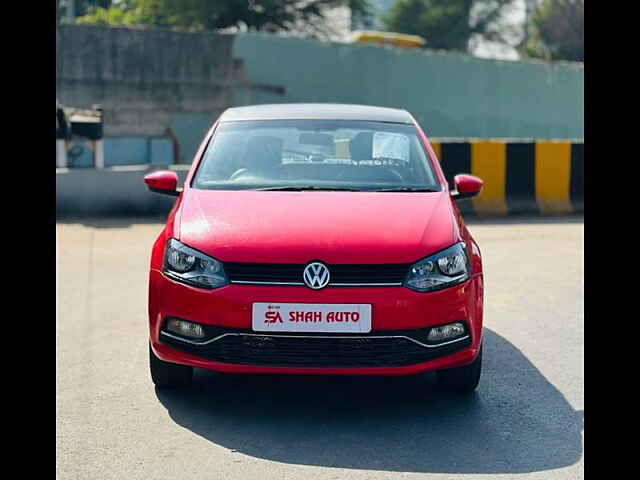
x=163, y=181
x=466, y=186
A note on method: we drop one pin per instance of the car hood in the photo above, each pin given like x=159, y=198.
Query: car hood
x=333, y=227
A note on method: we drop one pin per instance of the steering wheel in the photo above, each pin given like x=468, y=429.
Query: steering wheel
x=238, y=173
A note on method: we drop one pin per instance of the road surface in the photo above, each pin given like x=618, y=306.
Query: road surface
x=524, y=422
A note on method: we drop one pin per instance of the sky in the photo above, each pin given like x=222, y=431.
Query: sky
x=492, y=50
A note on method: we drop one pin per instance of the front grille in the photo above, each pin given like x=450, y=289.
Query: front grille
x=292, y=273
x=380, y=349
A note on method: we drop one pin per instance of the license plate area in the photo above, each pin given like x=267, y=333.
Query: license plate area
x=311, y=317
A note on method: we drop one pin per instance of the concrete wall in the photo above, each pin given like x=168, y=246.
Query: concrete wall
x=450, y=95
x=115, y=191
x=155, y=83
x=81, y=152
x=162, y=90
x=148, y=81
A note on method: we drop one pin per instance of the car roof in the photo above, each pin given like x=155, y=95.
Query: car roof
x=316, y=111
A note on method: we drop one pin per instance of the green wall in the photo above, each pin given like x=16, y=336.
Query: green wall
x=450, y=95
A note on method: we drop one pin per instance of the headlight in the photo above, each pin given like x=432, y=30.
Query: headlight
x=189, y=266
x=444, y=269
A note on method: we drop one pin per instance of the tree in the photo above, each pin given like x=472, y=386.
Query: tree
x=82, y=7
x=557, y=31
x=450, y=24
x=109, y=12
x=252, y=15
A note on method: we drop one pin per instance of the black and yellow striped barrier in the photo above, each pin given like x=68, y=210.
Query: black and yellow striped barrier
x=535, y=177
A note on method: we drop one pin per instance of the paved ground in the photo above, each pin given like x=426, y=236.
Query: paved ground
x=524, y=422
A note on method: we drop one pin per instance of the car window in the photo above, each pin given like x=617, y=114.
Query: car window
x=317, y=153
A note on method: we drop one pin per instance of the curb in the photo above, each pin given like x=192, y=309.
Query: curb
x=544, y=177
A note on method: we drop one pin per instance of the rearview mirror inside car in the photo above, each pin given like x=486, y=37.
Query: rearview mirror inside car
x=321, y=139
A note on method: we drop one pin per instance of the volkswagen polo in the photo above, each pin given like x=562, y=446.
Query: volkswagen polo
x=316, y=239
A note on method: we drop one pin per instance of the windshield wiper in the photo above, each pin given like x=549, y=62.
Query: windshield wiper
x=293, y=188
x=407, y=189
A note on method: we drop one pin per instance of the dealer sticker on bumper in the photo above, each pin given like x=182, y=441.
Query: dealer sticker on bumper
x=311, y=317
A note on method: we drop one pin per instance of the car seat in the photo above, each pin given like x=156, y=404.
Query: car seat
x=262, y=157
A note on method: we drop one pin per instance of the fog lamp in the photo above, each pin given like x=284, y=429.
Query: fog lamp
x=446, y=332
x=184, y=328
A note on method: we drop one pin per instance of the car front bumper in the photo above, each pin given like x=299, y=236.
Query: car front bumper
x=395, y=311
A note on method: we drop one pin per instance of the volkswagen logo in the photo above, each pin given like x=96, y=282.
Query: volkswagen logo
x=316, y=275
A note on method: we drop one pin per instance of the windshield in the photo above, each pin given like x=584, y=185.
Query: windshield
x=315, y=154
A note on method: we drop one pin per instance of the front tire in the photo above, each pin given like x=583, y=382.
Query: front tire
x=168, y=375
x=462, y=379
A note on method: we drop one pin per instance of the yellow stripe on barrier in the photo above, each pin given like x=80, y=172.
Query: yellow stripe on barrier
x=553, y=176
x=489, y=162
x=437, y=150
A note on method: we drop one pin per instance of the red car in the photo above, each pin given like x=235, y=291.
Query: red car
x=316, y=239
